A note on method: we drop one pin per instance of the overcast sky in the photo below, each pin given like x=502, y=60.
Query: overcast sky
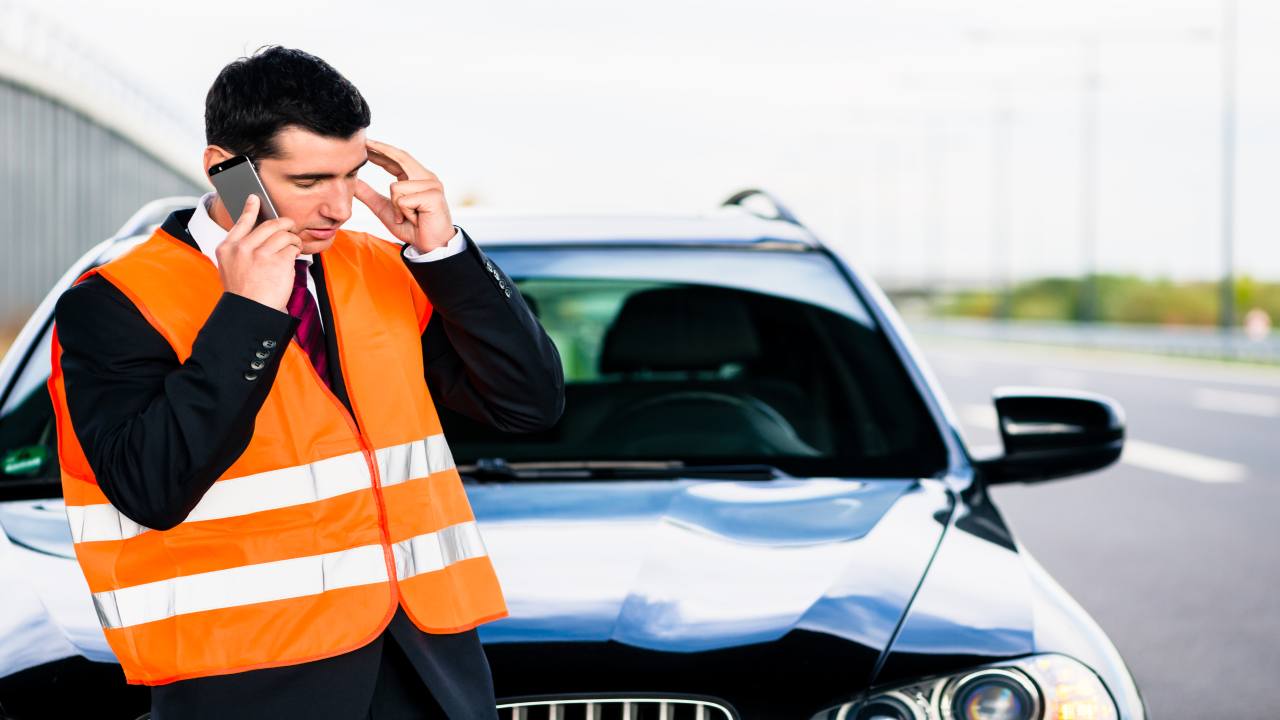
x=877, y=122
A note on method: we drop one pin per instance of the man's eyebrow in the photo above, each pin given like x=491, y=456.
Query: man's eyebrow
x=323, y=176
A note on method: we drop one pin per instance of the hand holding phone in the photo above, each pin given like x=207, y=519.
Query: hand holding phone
x=256, y=259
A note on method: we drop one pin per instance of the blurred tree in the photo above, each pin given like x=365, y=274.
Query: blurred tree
x=1120, y=298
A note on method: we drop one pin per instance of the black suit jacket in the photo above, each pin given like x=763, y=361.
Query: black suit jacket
x=157, y=433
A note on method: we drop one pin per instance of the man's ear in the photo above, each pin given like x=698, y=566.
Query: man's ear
x=214, y=155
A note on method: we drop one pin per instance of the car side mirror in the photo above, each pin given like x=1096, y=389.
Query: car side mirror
x=1050, y=433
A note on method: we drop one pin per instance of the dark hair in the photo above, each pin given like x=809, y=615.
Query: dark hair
x=255, y=97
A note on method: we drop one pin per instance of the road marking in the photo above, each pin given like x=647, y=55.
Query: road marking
x=1149, y=456
x=1236, y=402
x=1172, y=368
x=1172, y=461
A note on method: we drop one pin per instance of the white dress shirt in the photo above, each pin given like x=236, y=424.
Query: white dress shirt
x=209, y=235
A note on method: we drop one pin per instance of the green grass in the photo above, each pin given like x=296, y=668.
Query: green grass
x=1120, y=299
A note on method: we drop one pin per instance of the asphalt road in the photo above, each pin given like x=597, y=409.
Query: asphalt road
x=1174, y=550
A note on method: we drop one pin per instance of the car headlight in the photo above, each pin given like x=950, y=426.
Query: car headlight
x=1038, y=687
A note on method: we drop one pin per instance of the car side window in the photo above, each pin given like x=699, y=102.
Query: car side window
x=28, y=438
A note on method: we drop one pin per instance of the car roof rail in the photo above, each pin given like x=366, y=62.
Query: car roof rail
x=154, y=213
x=780, y=211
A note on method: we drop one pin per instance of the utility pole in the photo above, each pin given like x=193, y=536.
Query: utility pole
x=935, y=154
x=1001, y=247
x=1088, y=179
x=1090, y=44
x=887, y=213
x=1227, y=316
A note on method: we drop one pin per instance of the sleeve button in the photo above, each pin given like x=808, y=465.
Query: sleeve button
x=262, y=354
x=268, y=344
x=507, y=292
x=257, y=364
x=251, y=376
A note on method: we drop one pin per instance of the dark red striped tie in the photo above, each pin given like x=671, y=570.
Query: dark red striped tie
x=310, y=335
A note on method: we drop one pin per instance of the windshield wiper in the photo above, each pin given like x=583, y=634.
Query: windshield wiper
x=499, y=470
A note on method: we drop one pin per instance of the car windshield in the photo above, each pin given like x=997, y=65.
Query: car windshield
x=709, y=356
x=674, y=357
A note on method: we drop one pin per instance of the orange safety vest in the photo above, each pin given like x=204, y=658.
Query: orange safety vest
x=303, y=548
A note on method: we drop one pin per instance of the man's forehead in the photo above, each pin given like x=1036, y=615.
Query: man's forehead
x=298, y=145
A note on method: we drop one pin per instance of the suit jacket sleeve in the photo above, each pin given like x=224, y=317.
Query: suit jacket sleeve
x=156, y=432
x=485, y=354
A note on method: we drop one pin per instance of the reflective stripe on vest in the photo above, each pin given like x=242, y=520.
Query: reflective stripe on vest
x=284, y=579
x=277, y=488
x=326, y=522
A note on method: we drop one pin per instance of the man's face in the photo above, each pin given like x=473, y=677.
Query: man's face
x=312, y=182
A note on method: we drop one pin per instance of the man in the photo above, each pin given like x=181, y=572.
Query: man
x=261, y=497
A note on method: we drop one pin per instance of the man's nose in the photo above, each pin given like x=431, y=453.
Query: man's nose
x=337, y=206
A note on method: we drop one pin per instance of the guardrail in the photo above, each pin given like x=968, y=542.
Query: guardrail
x=1184, y=341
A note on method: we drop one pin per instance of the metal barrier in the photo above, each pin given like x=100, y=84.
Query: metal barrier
x=1184, y=341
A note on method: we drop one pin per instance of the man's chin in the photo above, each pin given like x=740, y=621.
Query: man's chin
x=311, y=246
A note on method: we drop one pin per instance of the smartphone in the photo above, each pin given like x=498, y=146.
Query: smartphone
x=235, y=179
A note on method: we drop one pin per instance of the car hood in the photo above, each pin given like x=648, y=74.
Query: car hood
x=690, y=565
x=669, y=565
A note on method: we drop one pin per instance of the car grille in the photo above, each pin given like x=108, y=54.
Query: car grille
x=614, y=708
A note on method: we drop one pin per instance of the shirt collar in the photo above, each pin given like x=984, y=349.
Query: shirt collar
x=209, y=234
